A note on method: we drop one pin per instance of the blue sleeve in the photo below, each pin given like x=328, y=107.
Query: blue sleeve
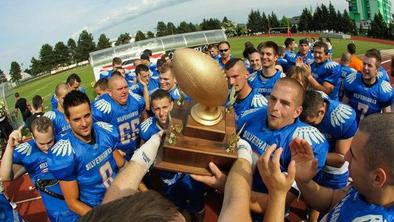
x=101, y=110
x=320, y=151
x=62, y=162
x=53, y=102
x=386, y=94
x=350, y=127
x=333, y=74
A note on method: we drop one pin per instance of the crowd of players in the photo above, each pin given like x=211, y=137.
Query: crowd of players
x=296, y=111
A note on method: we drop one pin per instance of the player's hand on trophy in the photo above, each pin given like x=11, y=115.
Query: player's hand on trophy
x=277, y=182
x=244, y=151
x=305, y=162
x=216, y=181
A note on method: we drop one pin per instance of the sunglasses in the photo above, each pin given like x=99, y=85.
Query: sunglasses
x=223, y=50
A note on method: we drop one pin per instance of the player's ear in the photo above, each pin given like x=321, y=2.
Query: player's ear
x=380, y=177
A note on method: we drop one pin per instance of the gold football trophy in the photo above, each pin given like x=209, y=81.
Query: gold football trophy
x=200, y=132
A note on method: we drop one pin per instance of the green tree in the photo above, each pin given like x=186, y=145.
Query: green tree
x=103, y=42
x=15, y=72
x=254, y=21
x=161, y=29
x=85, y=45
x=324, y=16
x=332, y=22
x=183, y=28
x=193, y=27
x=273, y=20
x=150, y=35
x=61, y=54
x=171, y=29
x=139, y=36
x=72, y=49
x=35, y=66
x=210, y=24
x=346, y=23
x=285, y=22
x=379, y=28
x=123, y=38
x=305, y=21
x=317, y=20
x=264, y=23
x=229, y=27
x=47, y=57
x=241, y=29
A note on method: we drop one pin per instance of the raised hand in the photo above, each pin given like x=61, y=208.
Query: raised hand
x=216, y=181
x=276, y=181
x=305, y=162
x=15, y=138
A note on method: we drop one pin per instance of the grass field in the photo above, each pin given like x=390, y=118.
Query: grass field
x=45, y=86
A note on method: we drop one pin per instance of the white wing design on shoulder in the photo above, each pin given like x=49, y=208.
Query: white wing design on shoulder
x=146, y=124
x=103, y=106
x=24, y=149
x=310, y=134
x=105, y=126
x=259, y=101
x=340, y=114
x=62, y=148
x=136, y=96
x=386, y=87
x=351, y=77
x=331, y=65
x=50, y=115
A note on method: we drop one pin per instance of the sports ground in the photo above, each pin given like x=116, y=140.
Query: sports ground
x=21, y=191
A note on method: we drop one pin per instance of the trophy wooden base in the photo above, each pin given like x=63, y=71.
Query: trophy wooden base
x=197, y=145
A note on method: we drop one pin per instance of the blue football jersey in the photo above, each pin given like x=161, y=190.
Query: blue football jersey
x=290, y=56
x=175, y=94
x=252, y=101
x=60, y=124
x=7, y=213
x=307, y=59
x=35, y=162
x=345, y=71
x=339, y=122
x=263, y=84
x=126, y=119
x=365, y=99
x=92, y=165
x=53, y=102
x=153, y=70
x=382, y=74
x=260, y=137
x=328, y=71
x=284, y=63
x=138, y=88
x=353, y=207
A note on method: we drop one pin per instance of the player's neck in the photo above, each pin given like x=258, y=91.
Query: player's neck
x=244, y=92
x=385, y=198
x=370, y=82
x=85, y=139
x=269, y=71
x=60, y=109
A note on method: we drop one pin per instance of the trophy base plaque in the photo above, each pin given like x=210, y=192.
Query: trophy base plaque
x=192, y=149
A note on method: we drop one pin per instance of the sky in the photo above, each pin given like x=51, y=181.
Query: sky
x=27, y=25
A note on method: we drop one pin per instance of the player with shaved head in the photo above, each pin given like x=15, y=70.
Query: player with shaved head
x=123, y=110
x=60, y=125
